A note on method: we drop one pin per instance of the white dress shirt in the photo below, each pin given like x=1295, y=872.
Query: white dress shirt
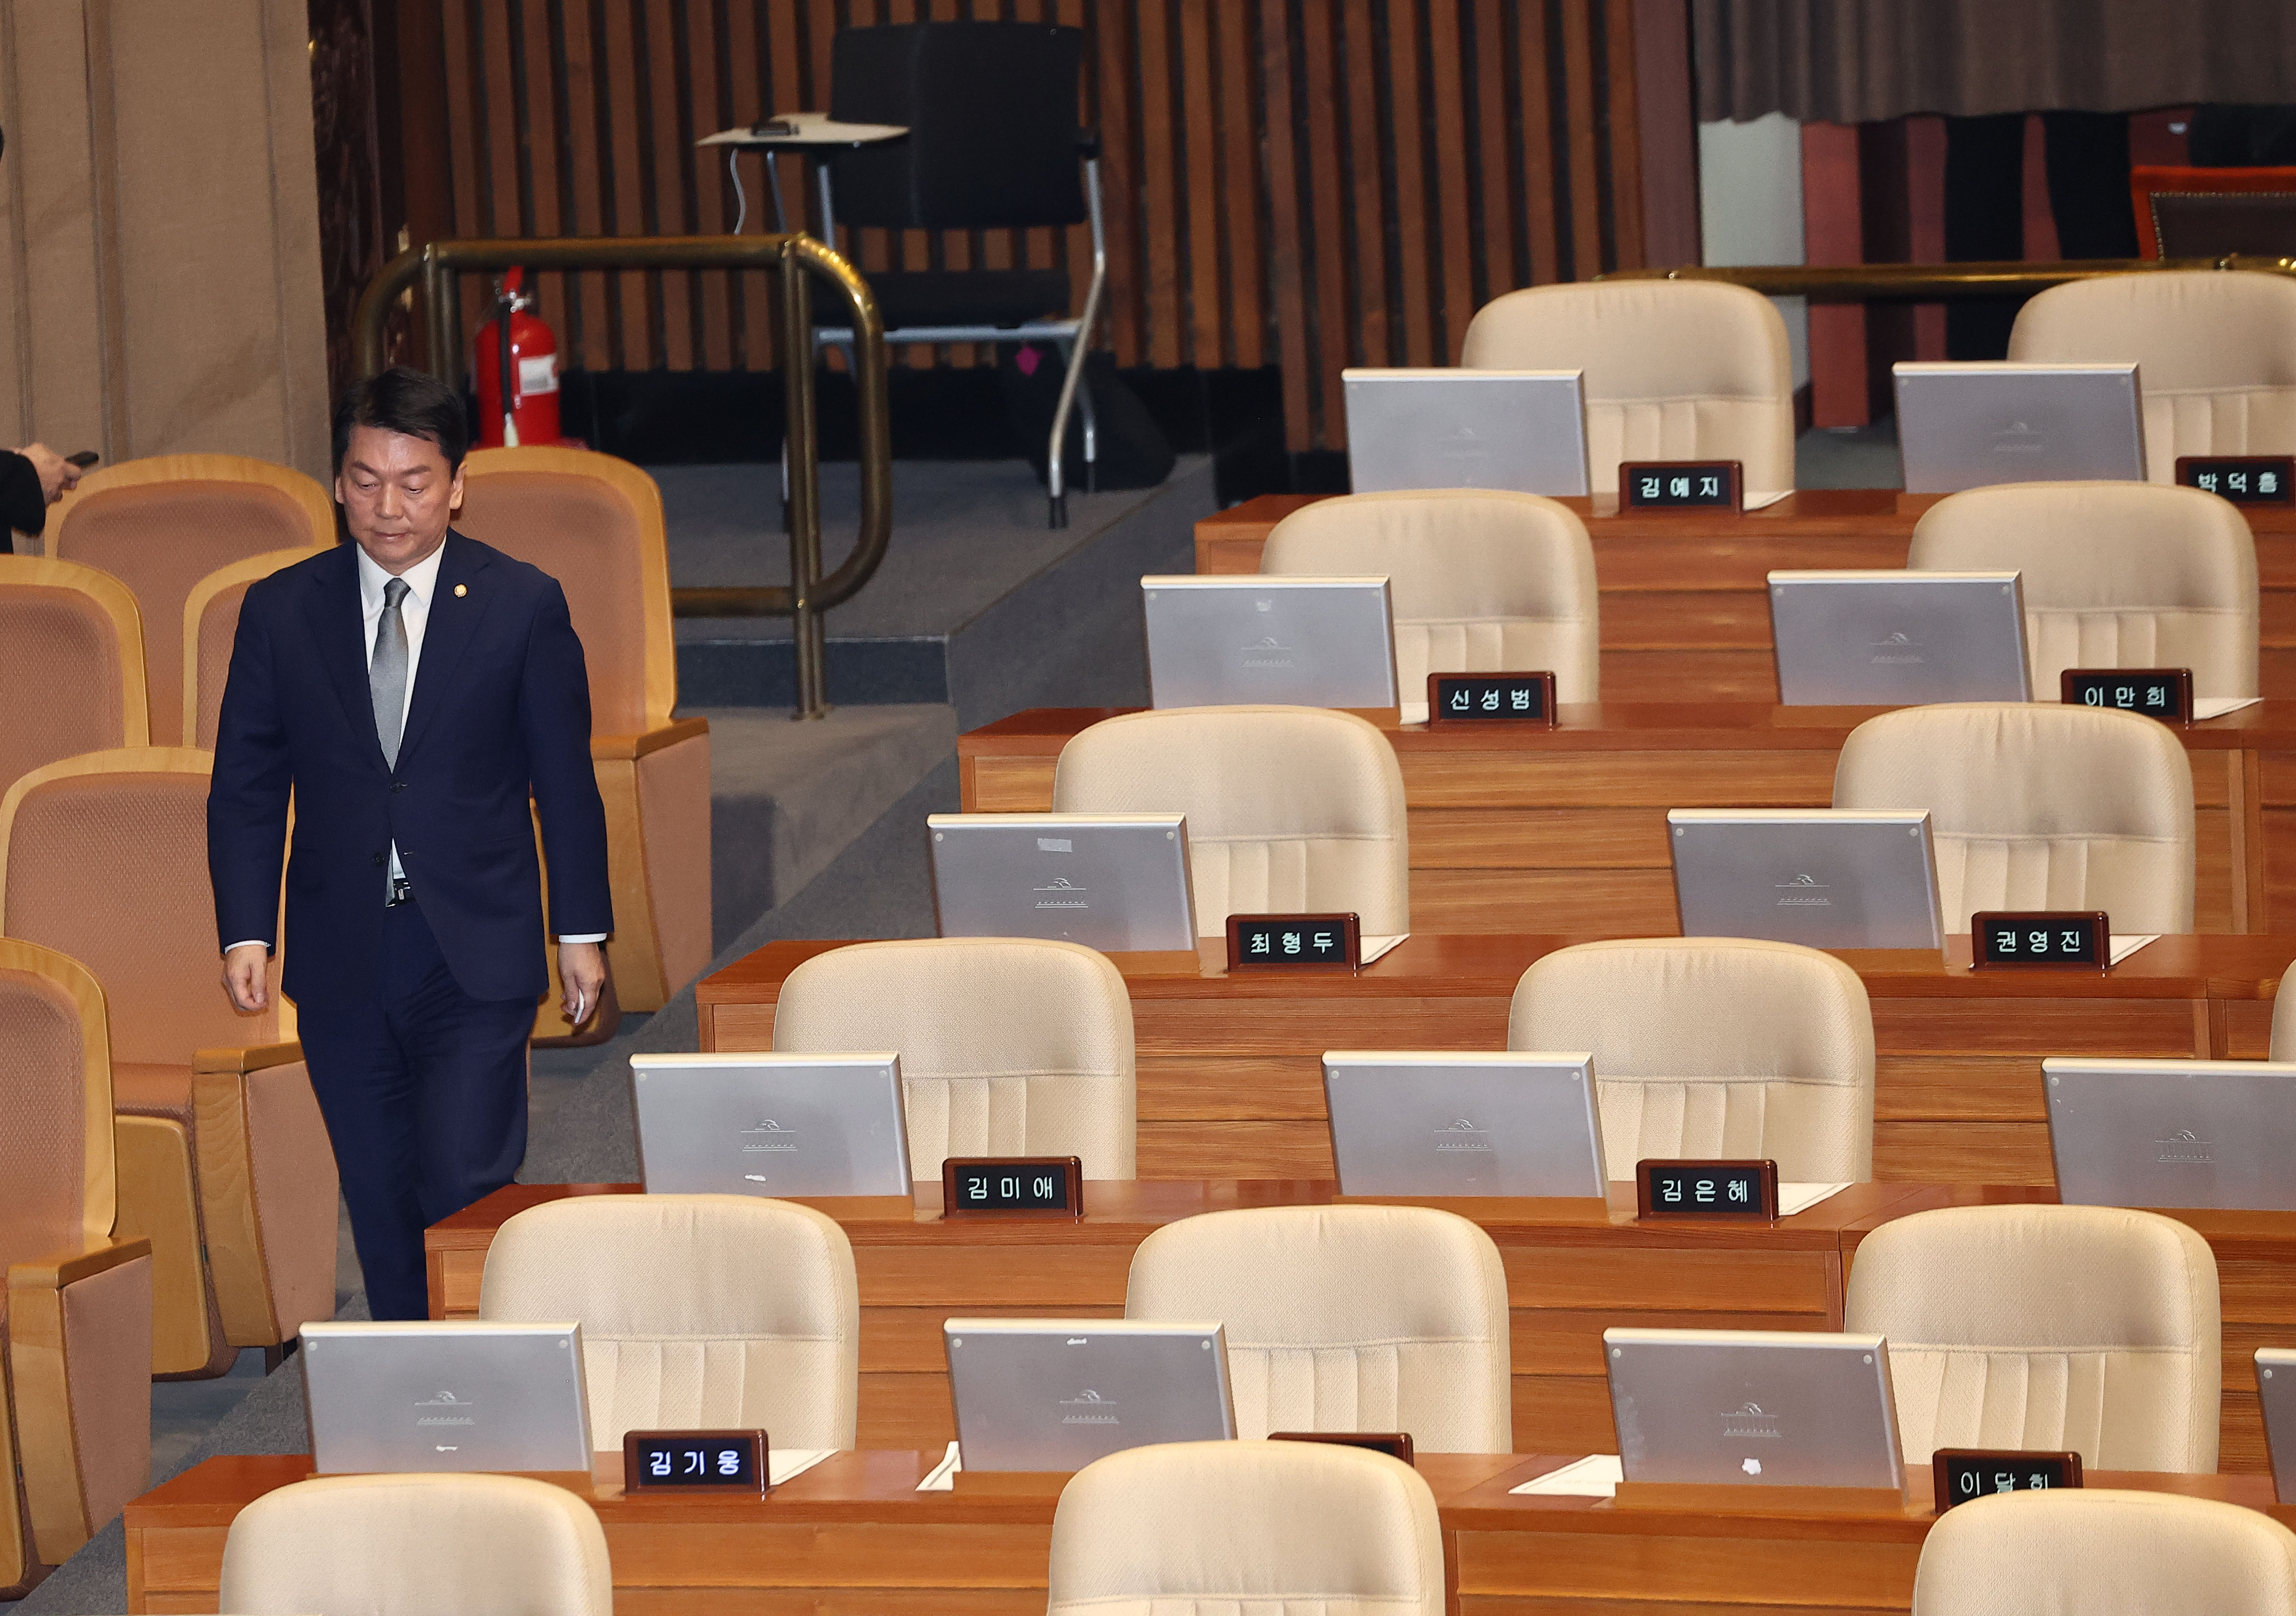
x=421, y=581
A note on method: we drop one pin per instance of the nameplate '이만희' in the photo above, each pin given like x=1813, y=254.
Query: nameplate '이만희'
x=2165, y=694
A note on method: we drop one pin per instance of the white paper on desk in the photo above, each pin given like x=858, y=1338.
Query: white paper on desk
x=1801, y=1197
x=806, y=129
x=2216, y=706
x=1375, y=947
x=1596, y=1476
x=1757, y=499
x=2126, y=943
x=787, y=1463
x=942, y=1477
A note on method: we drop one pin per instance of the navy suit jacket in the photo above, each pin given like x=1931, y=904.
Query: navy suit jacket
x=501, y=711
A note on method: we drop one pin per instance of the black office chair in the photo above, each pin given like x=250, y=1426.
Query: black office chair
x=992, y=145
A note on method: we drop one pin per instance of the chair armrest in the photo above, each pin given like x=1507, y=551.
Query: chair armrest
x=603, y=748
x=254, y=1057
x=73, y=1264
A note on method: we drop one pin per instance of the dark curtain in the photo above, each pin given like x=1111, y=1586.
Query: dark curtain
x=1861, y=61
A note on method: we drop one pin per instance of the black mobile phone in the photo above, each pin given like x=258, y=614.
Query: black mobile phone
x=83, y=459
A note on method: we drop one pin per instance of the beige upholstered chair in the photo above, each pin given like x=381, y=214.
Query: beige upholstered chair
x=418, y=1545
x=2086, y=1327
x=1291, y=809
x=697, y=1312
x=75, y=1427
x=1675, y=370
x=2103, y=1552
x=1481, y=580
x=71, y=650
x=2283, y=1018
x=2116, y=574
x=1227, y=1529
x=2216, y=355
x=2037, y=806
x=1713, y=1046
x=161, y=524
x=594, y=523
x=224, y=1160
x=1009, y=1045
x=1344, y=1318
x=211, y=627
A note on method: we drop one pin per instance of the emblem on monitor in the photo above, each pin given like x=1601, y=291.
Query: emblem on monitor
x=1088, y=1407
x=1747, y=1421
x=2185, y=1146
x=768, y=1135
x=1461, y=1135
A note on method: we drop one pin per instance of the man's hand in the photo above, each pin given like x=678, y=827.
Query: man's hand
x=582, y=973
x=244, y=968
x=58, y=476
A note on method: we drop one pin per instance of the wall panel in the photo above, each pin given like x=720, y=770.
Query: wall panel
x=1312, y=184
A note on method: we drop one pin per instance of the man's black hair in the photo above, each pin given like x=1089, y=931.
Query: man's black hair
x=408, y=401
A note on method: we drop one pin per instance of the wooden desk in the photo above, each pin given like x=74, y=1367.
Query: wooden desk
x=852, y=1535
x=1509, y=828
x=1685, y=601
x=1230, y=1067
x=2256, y=1277
x=1573, y=1267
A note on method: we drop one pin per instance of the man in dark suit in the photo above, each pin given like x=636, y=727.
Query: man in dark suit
x=412, y=688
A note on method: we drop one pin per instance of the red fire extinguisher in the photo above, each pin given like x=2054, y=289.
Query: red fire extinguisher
x=515, y=341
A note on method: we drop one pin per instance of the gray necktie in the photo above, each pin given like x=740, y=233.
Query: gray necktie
x=386, y=675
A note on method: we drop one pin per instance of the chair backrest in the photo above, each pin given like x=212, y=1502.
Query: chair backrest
x=1009, y=1045
x=2216, y=355
x=160, y=525
x=71, y=652
x=2116, y=574
x=594, y=523
x=2037, y=806
x=697, y=1312
x=104, y=857
x=1482, y=580
x=2092, y=1328
x=1675, y=370
x=55, y=1129
x=991, y=112
x=2284, y=1019
x=418, y=1545
x=2101, y=1552
x=211, y=627
x=1291, y=809
x=1716, y=1047
x=1344, y=1318
x=1276, y=1528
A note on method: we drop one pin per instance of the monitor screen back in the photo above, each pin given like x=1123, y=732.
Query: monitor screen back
x=1525, y=431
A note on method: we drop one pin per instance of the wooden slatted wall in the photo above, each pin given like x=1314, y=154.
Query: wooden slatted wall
x=1310, y=183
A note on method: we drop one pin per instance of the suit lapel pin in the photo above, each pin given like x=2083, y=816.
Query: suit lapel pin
x=460, y=590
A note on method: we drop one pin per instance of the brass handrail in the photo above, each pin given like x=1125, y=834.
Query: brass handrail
x=1929, y=283
x=792, y=259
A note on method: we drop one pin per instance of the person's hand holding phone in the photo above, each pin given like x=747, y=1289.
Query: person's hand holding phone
x=58, y=473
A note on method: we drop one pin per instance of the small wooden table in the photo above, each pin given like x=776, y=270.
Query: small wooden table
x=1230, y=1067
x=1685, y=598
x=853, y=1534
x=1511, y=825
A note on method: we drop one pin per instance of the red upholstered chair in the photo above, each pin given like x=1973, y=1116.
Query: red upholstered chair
x=223, y=1159
x=160, y=525
x=74, y=1426
x=71, y=649
x=210, y=625
x=594, y=523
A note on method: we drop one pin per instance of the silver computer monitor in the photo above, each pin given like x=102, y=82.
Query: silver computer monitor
x=1754, y=1408
x=1056, y=1394
x=1118, y=882
x=2173, y=1133
x=445, y=1395
x=736, y=1124
x=1826, y=878
x=1967, y=426
x=1444, y=1123
x=1524, y=429
x=1899, y=639
x=1286, y=639
x=2276, y=1387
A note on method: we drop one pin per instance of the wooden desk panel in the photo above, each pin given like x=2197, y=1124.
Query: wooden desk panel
x=1231, y=1075
x=1509, y=828
x=1684, y=598
x=1573, y=1268
x=852, y=1536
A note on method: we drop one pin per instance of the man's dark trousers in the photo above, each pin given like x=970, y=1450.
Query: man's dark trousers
x=424, y=1088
